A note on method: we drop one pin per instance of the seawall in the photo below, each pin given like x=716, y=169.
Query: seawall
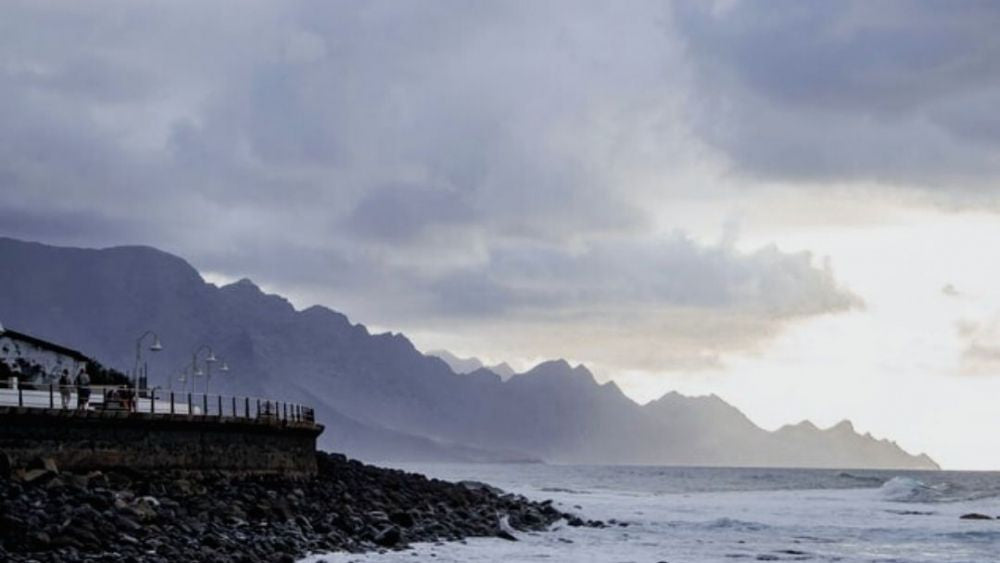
x=87, y=440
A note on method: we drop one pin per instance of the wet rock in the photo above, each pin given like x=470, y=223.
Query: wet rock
x=6, y=466
x=37, y=476
x=389, y=537
x=477, y=486
x=403, y=519
x=975, y=516
x=130, y=516
x=46, y=463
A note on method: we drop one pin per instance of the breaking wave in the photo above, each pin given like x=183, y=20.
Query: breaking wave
x=908, y=489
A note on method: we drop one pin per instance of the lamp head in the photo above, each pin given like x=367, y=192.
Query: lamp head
x=211, y=357
x=198, y=373
x=156, y=347
x=224, y=367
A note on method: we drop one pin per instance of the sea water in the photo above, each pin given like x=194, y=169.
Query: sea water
x=687, y=514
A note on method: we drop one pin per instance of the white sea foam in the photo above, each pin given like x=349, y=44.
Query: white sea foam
x=903, y=489
x=908, y=518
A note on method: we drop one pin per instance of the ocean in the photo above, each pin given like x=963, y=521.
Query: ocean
x=692, y=514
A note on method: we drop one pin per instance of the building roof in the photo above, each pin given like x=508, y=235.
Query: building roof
x=13, y=335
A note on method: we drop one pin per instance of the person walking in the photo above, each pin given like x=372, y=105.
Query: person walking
x=83, y=391
x=64, y=388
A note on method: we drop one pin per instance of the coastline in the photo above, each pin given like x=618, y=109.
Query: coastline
x=50, y=515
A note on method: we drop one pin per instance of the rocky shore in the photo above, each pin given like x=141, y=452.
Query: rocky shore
x=47, y=515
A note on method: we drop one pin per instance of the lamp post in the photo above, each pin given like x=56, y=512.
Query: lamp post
x=208, y=376
x=154, y=347
x=182, y=377
x=211, y=359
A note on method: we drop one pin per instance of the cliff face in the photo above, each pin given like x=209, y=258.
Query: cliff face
x=379, y=397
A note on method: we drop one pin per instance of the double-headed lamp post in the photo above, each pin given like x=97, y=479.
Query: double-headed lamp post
x=211, y=359
x=154, y=347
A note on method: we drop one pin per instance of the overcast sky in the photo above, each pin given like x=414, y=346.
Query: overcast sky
x=794, y=205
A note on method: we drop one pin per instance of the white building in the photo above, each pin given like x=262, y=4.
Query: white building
x=36, y=361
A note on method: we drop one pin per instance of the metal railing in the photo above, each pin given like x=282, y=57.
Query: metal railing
x=151, y=401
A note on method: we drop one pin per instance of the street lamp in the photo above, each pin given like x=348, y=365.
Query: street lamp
x=224, y=368
x=154, y=347
x=211, y=359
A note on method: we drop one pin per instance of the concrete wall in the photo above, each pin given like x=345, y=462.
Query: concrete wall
x=85, y=440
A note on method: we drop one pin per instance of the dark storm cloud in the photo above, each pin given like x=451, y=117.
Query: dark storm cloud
x=404, y=161
x=896, y=92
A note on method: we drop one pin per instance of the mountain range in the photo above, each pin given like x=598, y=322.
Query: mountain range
x=473, y=364
x=379, y=397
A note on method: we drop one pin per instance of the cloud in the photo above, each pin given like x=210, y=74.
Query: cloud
x=497, y=166
x=891, y=92
x=980, y=340
x=674, y=272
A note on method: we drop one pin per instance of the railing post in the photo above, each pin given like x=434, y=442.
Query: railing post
x=234, y=406
x=20, y=395
x=246, y=407
x=152, y=402
x=204, y=405
x=171, y=402
x=190, y=408
x=52, y=397
x=258, y=408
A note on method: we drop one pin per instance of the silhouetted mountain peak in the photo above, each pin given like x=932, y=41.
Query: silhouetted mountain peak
x=243, y=284
x=803, y=426
x=503, y=369
x=843, y=427
x=472, y=364
x=558, y=370
x=456, y=363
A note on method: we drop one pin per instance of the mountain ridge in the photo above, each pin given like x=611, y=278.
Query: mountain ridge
x=100, y=300
x=472, y=364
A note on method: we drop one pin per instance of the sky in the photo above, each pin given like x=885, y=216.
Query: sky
x=789, y=204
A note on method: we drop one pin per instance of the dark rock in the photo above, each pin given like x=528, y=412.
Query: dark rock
x=132, y=516
x=975, y=516
x=479, y=486
x=46, y=463
x=37, y=476
x=403, y=519
x=389, y=537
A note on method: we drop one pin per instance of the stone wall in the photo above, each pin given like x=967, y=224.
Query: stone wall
x=84, y=440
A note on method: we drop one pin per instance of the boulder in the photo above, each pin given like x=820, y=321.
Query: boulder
x=390, y=536
x=975, y=516
x=6, y=465
x=37, y=476
x=46, y=463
